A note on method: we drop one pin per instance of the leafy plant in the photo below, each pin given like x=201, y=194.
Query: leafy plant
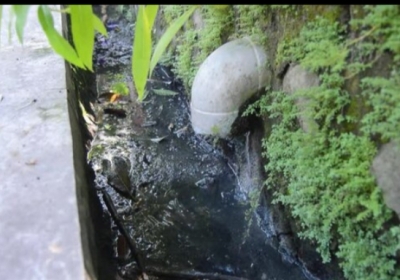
x=324, y=177
x=143, y=63
x=120, y=88
x=84, y=23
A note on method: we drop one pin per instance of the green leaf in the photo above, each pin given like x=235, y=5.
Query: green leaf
x=99, y=26
x=21, y=12
x=151, y=13
x=141, y=52
x=10, y=21
x=120, y=88
x=83, y=33
x=219, y=7
x=1, y=17
x=168, y=36
x=165, y=92
x=57, y=42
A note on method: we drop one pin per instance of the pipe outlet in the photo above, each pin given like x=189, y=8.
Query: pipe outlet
x=224, y=81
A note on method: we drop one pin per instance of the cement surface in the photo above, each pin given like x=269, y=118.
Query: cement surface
x=39, y=225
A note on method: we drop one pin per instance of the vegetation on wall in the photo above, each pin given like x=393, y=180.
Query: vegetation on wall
x=324, y=176
x=219, y=26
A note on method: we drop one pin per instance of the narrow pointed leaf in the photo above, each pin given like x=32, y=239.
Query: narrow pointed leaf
x=1, y=17
x=168, y=36
x=165, y=92
x=21, y=12
x=83, y=33
x=219, y=7
x=99, y=26
x=11, y=18
x=141, y=52
x=97, y=23
x=151, y=13
x=56, y=40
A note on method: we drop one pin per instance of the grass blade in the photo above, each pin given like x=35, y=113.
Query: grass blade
x=141, y=52
x=57, y=42
x=11, y=19
x=99, y=26
x=1, y=17
x=21, y=12
x=168, y=36
x=83, y=33
x=219, y=7
x=165, y=92
x=151, y=13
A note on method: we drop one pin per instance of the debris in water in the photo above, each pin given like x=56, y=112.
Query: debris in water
x=158, y=139
x=148, y=123
x=165, y=92
x=119, y=113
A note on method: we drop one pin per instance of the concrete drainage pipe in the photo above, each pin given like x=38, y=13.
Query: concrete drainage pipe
x=225, y=80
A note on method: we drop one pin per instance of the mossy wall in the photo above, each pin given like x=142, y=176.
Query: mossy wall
x=322, y=176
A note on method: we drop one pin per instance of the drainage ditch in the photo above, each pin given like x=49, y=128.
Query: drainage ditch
x=156, y=200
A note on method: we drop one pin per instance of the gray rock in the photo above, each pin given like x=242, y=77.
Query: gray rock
x=385, y=167
x=297, y=78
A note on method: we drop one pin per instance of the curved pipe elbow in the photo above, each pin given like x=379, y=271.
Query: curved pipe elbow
x=225, y=80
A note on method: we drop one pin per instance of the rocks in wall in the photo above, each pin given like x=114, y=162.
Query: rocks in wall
x=297, y=78
x=386, y=167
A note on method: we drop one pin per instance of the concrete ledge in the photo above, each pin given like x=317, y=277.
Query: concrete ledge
x=39, y=223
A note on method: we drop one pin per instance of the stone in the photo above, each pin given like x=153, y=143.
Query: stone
x=386, y=167
x=297, y=78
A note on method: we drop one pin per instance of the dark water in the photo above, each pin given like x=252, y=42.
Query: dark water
x=180, y=202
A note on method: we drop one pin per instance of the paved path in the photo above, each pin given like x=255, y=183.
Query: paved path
x=39, y=225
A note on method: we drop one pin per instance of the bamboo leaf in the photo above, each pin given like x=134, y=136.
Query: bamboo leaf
x=1, y=17
x=97, y=23
x=219, y=7
x=83, y=33
x=151, y=13
x=21, y=12
x=141, y=52
x=57, y=42
x=10, y=21
x=165, y=92
x=99, y=26
x=168, y=36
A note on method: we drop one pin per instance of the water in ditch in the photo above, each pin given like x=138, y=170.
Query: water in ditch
x=173, y=198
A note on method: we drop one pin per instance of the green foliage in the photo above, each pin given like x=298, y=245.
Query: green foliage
x=120, y=88
x=83, y=26
x=252, y=21
x=142, y=62
x=60, y=45
x=217, y=27
x=142, y=50
x=165, y=92
x=83, y=38
x=371, y=257
x=1, y=17
x=168, y=36
x=383, y=96
x=21, y=12
x=324, y=176
x=196, y=44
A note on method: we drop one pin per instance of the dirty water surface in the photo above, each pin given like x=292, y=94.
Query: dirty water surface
x=173, y=199
x=176, y=195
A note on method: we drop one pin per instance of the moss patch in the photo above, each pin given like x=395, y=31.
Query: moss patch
x=324, y=177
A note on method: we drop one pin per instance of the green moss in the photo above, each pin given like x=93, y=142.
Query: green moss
x=219, y=26
x=324, y=177
x=194, y=45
